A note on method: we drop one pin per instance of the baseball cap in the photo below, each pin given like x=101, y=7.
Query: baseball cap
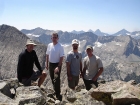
x=75, y=41
x=89, y=47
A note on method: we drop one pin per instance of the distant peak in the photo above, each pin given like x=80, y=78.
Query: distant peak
x=124, y=30
x=90, y=30
x=97, y=30
x=39, y=28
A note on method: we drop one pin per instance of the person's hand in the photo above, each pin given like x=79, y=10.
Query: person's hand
x=94, y=79
x=56, y=70
x=69, y=78
x=43, y=72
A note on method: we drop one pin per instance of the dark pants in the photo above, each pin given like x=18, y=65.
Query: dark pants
x=88, y=84
x=55, y=80
x=27, y=81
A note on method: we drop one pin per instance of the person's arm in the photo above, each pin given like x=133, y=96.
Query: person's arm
x=37, y=63
x=81, y=66
x=81, y=75
x=68, y=71
x=84, y=69
x=61, y=59
x=20, y=67
x=100, y=70
x=47, y=61
x=98, y=74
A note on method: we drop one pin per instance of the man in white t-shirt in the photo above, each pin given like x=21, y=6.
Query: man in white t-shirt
x=93, y=68
x=54, y=58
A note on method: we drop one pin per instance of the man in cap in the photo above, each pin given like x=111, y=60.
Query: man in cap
x=54, y=58
x=92, y=69
x=74, y=65
x=26, y=60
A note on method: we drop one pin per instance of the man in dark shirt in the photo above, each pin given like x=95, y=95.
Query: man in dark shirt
x=25, y=72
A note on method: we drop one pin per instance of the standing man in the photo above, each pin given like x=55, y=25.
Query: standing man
x=74, y=65
x=55, y=53
x=25, y=72
x=93, y=68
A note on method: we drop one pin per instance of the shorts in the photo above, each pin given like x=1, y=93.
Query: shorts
x=74, y=82
x=34, y=77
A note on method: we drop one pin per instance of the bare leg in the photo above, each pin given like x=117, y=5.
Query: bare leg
x=41, y=79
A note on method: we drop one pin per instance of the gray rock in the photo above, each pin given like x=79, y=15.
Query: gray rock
x=132, y=82
x=31, y=94
x=83, y=98
x=5, y=89
x=4, y=100
x=71, y=95
x=117, y=93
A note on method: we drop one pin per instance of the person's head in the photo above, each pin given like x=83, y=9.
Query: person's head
x=89, y=50
x=54, y=38
x=30, y=45
x=75, y=44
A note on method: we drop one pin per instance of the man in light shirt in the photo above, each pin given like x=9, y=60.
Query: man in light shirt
x=74, y=65
x=54, y=58
x=93, y=68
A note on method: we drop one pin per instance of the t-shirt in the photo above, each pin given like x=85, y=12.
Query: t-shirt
x=74, y=59
x=92, y=66
x=55, y=52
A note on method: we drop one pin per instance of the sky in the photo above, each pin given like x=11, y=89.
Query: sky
x=110, y=16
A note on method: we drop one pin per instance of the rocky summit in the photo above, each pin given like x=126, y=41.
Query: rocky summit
x=109, y=93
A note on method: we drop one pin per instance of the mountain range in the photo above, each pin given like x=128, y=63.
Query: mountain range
x=39, y=31
x=120, y=54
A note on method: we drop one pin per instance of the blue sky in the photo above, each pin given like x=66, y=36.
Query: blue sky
x=109, y=16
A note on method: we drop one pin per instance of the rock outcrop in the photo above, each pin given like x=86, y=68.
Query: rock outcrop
x=117, y=93
x=109, y=93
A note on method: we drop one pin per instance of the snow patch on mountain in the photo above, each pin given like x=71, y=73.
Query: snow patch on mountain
x=32, y=35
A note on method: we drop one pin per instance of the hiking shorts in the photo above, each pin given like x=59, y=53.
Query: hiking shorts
x=74, y=82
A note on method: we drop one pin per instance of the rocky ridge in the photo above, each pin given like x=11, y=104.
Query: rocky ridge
x=109, y=93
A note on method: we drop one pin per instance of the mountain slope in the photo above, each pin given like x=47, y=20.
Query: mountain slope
x=122, y=32
x=12, y=42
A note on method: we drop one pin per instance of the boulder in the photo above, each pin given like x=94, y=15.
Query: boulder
x=5, y=89
x=71, y=97
x=83, y=98
x=30, y=94
x=12, y=82
x=4, y=100
x=117, y=93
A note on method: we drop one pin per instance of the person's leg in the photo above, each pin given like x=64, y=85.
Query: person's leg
x=87, y=84
x=42, y=78
x=57, y=83
x=76, y=80
x=95, y=83
x=71, y=83
x=25, y=82
x=51, y=72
